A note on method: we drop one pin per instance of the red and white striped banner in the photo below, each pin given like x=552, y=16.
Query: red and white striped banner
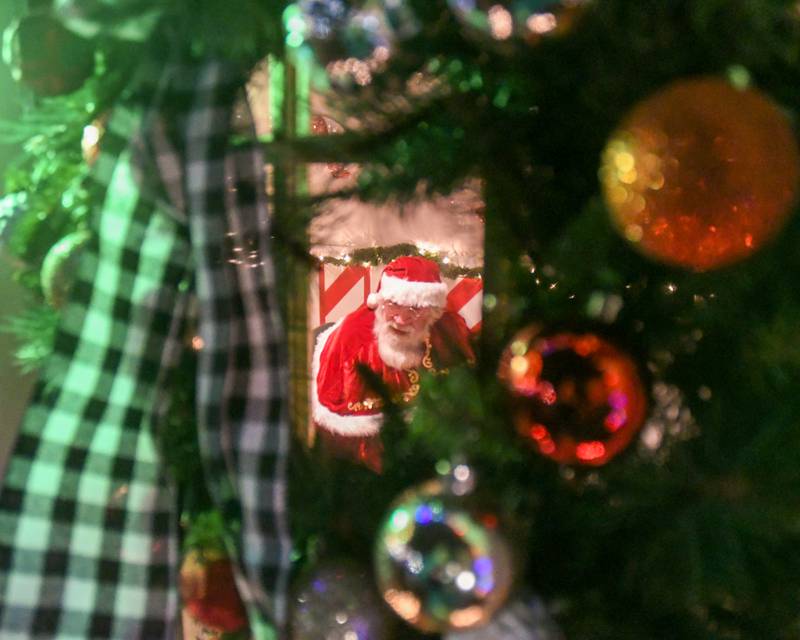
x=341, y=290
x=465, y=297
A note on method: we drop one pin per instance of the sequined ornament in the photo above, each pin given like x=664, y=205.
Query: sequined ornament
x=59, y=267
x=701, y=174
x=439, y=564
x=351, y=39
x=523, y=618
x=209, y=594
x=575, y=396
x=337, y=601
x=529, y=20
x=45, y=56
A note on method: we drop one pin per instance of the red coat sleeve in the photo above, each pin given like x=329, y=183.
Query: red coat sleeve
x=341, y=401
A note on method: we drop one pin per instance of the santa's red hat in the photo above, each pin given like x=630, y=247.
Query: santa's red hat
x=411, y=281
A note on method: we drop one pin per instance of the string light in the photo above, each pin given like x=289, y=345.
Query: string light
x=378, y=256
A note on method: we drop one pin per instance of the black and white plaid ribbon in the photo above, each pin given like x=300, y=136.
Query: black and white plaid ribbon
x=88, y=515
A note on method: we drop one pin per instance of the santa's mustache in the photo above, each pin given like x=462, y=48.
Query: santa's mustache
x=400, y=328
x=401, y=335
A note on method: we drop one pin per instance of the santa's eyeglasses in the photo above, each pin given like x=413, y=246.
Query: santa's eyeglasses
x=393, y=309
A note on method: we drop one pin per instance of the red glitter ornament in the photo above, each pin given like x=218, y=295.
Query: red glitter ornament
x=701, y=174
x=577, y=397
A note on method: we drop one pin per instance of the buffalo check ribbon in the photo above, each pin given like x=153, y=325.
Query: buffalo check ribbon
x=88, y=513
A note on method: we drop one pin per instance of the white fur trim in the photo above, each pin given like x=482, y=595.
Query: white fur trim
x=413, y=294
x=373, y=300
x=334, y=422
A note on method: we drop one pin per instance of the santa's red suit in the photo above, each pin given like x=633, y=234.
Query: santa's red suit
x=343, y=402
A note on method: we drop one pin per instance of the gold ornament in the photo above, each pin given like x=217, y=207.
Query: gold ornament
x=701, y=174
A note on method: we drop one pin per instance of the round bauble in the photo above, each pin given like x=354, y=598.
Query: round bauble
x=337, y=601
x=45, y=56
x=575, y=396
x=529, y=20
x=439, y=564
x=59, y=267
x=352, y=39
x=701, y=174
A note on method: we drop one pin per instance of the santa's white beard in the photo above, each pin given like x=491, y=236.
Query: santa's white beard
x=400, y=350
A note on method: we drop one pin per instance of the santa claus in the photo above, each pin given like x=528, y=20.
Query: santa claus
x=402, y=329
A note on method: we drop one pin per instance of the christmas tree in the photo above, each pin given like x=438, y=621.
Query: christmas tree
x=586, y=210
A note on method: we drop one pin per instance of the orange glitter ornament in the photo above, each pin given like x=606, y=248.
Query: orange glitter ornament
x=577, y=397
x=701, y=174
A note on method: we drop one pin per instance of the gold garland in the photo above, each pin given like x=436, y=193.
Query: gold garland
x=378, y=256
